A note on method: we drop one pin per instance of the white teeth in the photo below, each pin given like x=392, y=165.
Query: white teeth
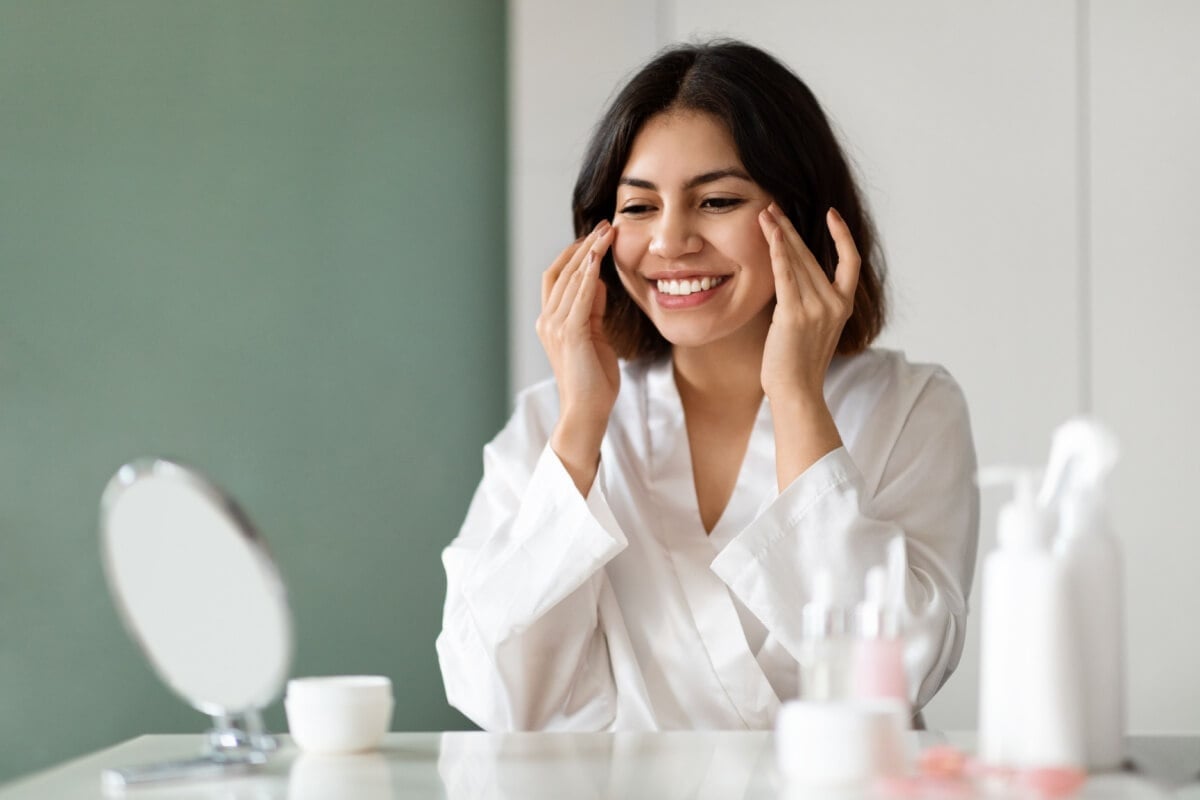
x=686, y=287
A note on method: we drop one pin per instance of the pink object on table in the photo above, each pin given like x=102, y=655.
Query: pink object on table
x=1052, y=781
x=879, y=669
x=942, y=760
x=923, y=787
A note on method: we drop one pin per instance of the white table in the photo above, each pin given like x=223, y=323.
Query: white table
x=529, y=766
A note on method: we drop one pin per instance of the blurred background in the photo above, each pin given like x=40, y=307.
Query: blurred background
x=296, y=244
x=266, y=239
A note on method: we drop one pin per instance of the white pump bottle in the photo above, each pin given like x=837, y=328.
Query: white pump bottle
x=1081, y=456
x=1029, y=709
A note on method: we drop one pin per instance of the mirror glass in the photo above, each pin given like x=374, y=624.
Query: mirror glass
x=196, y=588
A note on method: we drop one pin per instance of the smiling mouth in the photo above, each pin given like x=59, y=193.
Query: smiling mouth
x=682, y=288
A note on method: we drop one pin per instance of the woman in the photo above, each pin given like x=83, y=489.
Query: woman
x=650, y=521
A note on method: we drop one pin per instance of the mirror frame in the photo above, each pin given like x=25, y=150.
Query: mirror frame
x=238, y=740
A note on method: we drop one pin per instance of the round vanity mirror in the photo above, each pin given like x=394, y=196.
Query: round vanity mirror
x=196, y=588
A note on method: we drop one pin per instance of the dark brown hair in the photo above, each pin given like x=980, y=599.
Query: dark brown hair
x=784, y=141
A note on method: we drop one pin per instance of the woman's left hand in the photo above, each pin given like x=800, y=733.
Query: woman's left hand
x=810, y=311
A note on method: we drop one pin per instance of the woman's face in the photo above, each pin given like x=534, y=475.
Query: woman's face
x=688, y=247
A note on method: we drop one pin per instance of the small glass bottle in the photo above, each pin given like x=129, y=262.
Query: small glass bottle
x=824, y=657
x=878, y=659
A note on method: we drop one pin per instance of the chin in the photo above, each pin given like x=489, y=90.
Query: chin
x=680, y=337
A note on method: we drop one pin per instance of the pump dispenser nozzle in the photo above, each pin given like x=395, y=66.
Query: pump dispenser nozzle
x=1023, y=522
x=1082, y=453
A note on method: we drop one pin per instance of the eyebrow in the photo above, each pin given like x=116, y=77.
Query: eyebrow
x=707, y=177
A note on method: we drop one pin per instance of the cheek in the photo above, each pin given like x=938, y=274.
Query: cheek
x=761, y=254
x=628, y=249
x=745, y=244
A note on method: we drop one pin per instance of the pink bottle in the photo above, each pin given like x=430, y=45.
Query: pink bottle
x=878, y=663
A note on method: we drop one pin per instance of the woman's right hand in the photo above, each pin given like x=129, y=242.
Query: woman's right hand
x=571, y=329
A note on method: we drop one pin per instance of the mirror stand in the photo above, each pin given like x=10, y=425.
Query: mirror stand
x=237, y=743
x=237, y=734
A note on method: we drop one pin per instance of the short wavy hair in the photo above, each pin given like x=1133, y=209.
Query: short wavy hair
x=786, y=144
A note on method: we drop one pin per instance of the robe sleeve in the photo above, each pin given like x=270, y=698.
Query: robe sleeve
x=829, y=518
x=521, y=647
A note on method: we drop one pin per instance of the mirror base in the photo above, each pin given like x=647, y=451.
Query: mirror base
x=237, y=743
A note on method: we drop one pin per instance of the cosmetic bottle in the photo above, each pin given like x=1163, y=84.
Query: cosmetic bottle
x=824, y=659
x=1029, y=701
x=828, y=742
x=878, y=650
x=1082, y=454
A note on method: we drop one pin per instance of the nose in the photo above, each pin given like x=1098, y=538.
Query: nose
x=674, y=236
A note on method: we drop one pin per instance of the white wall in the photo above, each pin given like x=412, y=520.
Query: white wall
x=1027, y=164
x=1145, y=281
x=565, y=60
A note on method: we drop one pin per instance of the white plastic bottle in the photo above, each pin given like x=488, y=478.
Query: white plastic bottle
x=1029, y=709
x=1082, y=455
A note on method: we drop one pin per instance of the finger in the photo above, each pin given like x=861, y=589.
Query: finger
x=806, y=261
x=561, y=275
x=849, y=261
x=791, y=284
x=555, y=301
x=598, y=306
x=581, y=308
x=581, y=304
x=556, y=267
x=561, y=284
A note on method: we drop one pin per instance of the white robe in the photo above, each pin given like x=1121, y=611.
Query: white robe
x=618, y=612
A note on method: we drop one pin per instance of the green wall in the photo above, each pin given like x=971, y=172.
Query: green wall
x=267, y=239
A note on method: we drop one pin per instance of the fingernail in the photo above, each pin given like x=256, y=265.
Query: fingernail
x=836, y=215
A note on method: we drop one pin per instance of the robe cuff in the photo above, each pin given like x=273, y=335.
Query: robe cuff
x=762, y=563
x=557, y=541
x=832, y=471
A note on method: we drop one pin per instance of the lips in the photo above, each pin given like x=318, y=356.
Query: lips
x=686, y=291
x=682, y=287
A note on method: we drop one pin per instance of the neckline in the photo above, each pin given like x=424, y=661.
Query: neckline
x=671, y=448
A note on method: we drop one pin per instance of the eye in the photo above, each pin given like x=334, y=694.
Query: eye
x=637, y=209
x=722, y=203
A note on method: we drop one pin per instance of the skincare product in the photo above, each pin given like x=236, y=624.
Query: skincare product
x=824, y=658
x=339, y=713
x=833, y=738
x=843, y=746
x=1082, y=454
x=878, y=652
x=1029, y=705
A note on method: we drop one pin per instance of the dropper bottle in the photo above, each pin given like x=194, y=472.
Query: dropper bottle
x=878, y=648
x=824, y=661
